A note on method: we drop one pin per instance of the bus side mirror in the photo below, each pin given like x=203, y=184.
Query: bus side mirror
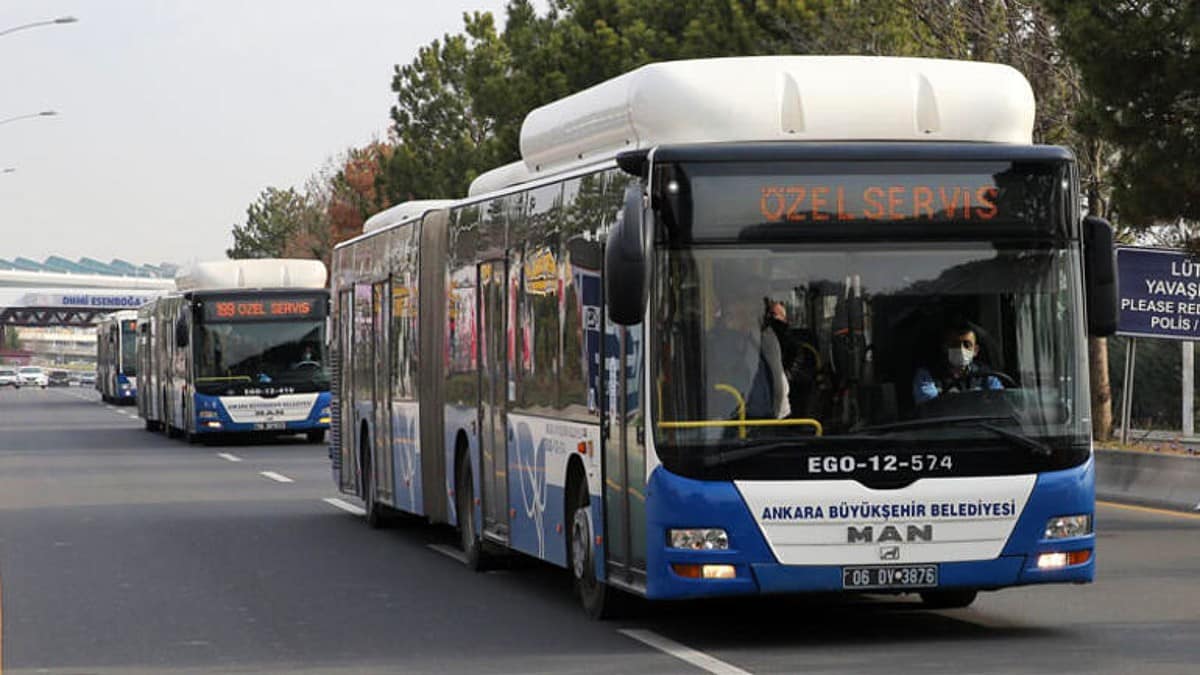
x=1100, y=274
x=181, y=333
x=625, y=261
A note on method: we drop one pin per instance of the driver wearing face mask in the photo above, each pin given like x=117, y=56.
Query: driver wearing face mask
x=958, y=370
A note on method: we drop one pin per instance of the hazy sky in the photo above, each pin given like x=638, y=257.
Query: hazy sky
x=175, y=114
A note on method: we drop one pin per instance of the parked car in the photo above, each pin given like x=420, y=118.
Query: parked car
x=8, y=378
x=59, y=378
x=87, y=379
x=33, y=376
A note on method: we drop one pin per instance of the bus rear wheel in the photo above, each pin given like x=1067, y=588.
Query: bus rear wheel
x=315, y=435
x=468, y=529
x=948, y=599
x=599, y=600
x=375, y=516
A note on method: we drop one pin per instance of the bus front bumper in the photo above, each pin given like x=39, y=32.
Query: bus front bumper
x=212, y=417
x=749, y=567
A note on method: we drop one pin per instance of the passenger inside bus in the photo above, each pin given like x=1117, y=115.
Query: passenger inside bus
x=956, y=369
x=744, y=360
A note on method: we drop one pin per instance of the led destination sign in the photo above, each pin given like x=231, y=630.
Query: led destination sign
x=815, y=201
x=263, y=309
x=778, y=197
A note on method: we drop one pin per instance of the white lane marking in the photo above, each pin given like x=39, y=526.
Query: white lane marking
x=229, y=456
x=277, y=477
x=345, y=506
x=450, y=552
x=683, y=653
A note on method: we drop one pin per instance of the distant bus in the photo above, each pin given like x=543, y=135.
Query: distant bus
x=116, y=357
x=239, y=347
x=743, y=326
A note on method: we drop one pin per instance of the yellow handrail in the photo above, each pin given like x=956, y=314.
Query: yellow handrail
x=701, y=424
x=741, y=405
x=741, y=422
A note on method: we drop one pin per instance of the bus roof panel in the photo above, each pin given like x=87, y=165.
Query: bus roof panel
x=252, y=273
x=781, y=98
x=402, y=212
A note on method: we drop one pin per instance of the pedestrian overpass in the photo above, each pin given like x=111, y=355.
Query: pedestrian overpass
x=51, y=298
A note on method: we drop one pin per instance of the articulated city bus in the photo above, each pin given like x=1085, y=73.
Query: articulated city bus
x=742, y=326
x=238, y=348
x=116, y=357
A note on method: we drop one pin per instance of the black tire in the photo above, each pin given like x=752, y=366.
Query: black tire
x=375, y=516
x=151, y=425
x=599, y=600
x=315, y=436
x=956, y=599
x=468, y=528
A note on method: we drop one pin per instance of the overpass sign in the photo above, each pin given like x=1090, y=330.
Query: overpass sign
x=66, y=307
x=1159, y=293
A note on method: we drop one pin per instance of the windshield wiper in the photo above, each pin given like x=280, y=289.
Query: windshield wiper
x=977, y=421
x=747, y=451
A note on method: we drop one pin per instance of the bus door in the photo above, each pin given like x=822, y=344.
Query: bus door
x=381, y=437
x=493, y=397
x=624, y=455
x=348, y=479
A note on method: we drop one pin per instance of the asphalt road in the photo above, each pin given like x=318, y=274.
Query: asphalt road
x=124, y=552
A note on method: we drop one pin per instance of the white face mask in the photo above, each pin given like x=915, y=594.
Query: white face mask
x=959, y=357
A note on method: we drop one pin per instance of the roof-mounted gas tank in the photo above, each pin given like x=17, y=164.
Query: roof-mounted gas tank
x=252, y=273
x=781, y=98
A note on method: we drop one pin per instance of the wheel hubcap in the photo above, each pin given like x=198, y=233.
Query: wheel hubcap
x=580, y=536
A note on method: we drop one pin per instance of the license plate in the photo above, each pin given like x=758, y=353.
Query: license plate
x=270, y=426
x=890, y=576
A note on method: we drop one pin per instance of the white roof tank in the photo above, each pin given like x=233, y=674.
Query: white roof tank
x=252, y=273
x=499, y=178
x=402, y=212
x=781, y=98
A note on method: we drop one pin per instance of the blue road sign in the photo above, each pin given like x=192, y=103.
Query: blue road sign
x=1159, y=293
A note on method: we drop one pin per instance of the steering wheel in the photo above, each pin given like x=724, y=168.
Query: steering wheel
x=307, y=364
x=1007, y=381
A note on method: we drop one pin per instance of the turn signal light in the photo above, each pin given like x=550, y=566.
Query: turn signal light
x=1053, y=561
x=704, y=571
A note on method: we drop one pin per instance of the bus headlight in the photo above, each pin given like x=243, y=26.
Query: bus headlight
x=1065, y=527
x=325, y=417
x=701, y=539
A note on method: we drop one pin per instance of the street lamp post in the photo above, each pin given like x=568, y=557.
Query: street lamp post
x=35, y=24
x=44, y=113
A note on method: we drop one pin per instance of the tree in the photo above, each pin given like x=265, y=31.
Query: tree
x=356, y=190
x=278, y=223
x=1140, y=64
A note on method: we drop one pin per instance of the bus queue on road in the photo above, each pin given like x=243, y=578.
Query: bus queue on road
x=675, y=348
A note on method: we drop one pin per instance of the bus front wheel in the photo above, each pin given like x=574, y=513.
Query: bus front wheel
x=599, y=600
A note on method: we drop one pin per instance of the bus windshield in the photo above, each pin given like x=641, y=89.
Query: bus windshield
x=129, y=347
x=249, y=357
x=923, y=345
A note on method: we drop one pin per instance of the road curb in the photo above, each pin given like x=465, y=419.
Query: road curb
x=1150, y=479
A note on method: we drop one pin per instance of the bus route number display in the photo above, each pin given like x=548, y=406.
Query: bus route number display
x=261, y=309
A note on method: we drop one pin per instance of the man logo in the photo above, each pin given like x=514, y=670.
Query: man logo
x=889, y=552
x=888, y=533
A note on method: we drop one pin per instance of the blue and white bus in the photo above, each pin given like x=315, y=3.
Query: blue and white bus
x=742, y=326
x=116, y=357
x=239, y=348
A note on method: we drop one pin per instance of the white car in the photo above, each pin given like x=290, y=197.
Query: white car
x=33, y=376
x=8, y=378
